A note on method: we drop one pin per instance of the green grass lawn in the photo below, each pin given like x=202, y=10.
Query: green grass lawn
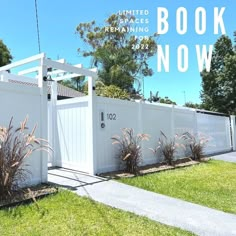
x=68, y=214
x=211, y=184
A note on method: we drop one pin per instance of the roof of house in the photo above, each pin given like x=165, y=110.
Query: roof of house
x=62, y=91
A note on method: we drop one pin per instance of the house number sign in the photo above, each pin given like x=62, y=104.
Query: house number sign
x=111, y=116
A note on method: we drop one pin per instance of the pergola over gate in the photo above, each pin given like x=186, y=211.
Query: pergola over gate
x=42, y=71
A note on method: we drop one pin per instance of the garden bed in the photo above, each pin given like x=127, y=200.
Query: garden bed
x=28, y=195
x=154, y=168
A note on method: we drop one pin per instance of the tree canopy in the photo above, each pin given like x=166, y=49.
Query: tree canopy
x=76, y=83
x=193, y=105
x=5, y=55
x=167, y=100
x=120, y=56
x=219, y=85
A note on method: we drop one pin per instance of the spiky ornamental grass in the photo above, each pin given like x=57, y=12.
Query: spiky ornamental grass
x=16, y=145
x=130, y=148
x=168, y=147
x=196, y=144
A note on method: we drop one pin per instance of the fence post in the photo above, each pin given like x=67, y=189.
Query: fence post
x=43, y=118
x=140, y=127
x=196, y=124
x=233, y=132
x=92, y=126
x=172, y=125
x=54, y=121
x=4, y=76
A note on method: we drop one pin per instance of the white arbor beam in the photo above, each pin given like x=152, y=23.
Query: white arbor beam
x=22, y=62
x=55, y=72
x=28, y=71
x=69, y=68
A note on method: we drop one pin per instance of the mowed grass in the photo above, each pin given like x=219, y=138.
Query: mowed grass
x=68, y=214
x=211, y=184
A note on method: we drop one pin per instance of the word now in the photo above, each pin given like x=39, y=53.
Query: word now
x=182, y=20
x=204, y=57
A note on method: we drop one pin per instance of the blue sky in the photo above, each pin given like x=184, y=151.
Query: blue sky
x=58, y=21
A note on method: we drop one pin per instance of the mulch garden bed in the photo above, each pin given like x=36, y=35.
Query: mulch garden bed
x=27, y=195
x=149, y=169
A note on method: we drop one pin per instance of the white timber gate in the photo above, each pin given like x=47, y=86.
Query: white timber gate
x=71, y=129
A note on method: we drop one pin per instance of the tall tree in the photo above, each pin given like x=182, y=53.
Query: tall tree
x=235, y=40
x=219, y=85
x=120, y=57
x=5, y=55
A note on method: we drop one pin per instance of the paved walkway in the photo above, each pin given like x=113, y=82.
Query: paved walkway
x=198, y=219
x=230, y=157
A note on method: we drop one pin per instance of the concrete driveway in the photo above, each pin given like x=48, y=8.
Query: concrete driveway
x=230, y=157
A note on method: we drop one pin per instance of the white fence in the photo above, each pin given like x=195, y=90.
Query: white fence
x=217, y=128
x=19, y=101
x=111, y=115
x=80, y=129
x=22, y=95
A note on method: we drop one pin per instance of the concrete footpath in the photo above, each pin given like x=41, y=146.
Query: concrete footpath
x=167, y=210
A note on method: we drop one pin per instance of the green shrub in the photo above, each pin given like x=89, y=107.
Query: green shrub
x=130, y=149
x=15, y=146
x=112, y=91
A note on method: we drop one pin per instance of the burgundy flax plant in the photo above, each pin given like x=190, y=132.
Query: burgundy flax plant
x=196, y=144
x=168, y=147
x=130, y=148
x=16, y=145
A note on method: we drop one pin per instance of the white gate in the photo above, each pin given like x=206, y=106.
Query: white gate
x=72, y=136
x=71, y=121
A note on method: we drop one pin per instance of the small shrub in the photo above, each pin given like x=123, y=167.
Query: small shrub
x=112, y=91
x=196, y=145
x=168, y=147
x=15, y=146
x=130, y=149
